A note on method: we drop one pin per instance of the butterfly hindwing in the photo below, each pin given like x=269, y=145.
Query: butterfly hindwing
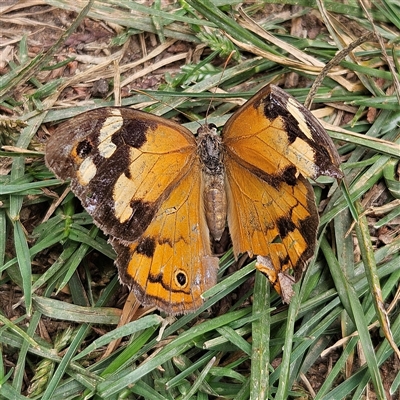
x=277, y=220
x=171, y=264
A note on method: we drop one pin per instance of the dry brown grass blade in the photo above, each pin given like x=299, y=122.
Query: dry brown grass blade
x=129, y=313
x=332, y=28
x=305, y=62
x=25, y=72
x=105, y=66
x=332, y=64
x=154, y=67
x=126, y=17
x=6, y=8
x=282, y=60
x=299, y=66
x=157, y=51
x=303, y=57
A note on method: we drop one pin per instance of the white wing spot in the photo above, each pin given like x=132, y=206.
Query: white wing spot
x=110, y=126
x=87, y=170
x=293, y=108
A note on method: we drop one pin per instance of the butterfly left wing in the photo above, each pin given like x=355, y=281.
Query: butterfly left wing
x=272, y=145
x=122, y=164
x=138, y=176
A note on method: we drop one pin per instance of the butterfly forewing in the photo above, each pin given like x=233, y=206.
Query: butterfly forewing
x=272, y=132
x=122, y=164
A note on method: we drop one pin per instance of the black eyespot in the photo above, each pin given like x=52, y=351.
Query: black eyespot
x=181, y=278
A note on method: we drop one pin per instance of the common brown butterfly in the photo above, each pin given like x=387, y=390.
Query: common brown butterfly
x=160, y=193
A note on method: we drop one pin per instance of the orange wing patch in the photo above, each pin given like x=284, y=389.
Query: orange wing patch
x=272, y=133
x=273, y=219
x=122, y=164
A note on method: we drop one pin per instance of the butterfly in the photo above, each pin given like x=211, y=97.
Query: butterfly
x=162, y=193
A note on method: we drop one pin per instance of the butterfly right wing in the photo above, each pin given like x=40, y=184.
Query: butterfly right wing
x=272, y=145
x=276, y=220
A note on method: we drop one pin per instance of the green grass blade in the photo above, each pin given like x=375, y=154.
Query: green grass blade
x=260, y=357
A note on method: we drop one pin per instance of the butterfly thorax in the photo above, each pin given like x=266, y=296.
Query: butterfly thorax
x=210, y=151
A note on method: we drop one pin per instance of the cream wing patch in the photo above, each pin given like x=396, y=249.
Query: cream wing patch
x=293, y=108
x=111, y=125
x=87, y=170
x=122, y=195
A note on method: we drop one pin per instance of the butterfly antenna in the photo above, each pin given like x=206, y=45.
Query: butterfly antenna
x=219, y=81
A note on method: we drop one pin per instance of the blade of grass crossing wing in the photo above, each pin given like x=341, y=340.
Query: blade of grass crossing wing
x=260, y=357
x=284, y=379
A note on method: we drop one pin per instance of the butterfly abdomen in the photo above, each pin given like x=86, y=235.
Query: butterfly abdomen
x=215, y=204
x=213, y=174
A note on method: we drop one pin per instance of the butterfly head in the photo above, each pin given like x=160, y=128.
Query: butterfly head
x=207, y=130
